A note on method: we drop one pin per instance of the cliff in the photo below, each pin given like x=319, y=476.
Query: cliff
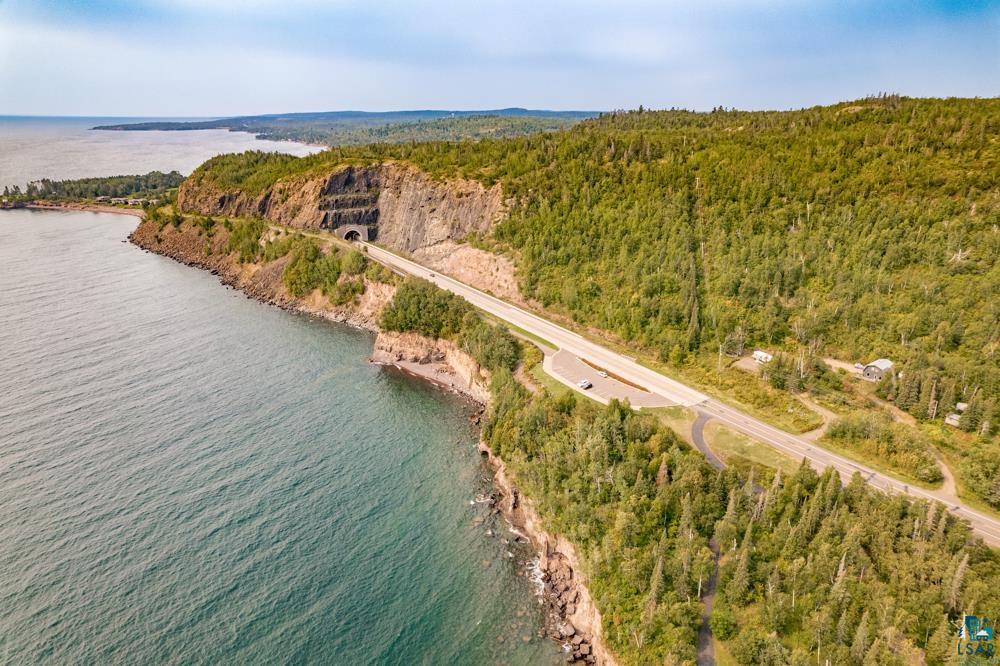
x=578, y=622
x=440, y=361
x=190, y=245
x=403, y=209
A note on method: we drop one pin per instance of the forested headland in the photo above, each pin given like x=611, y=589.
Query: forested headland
x=810, y=571
x=154, y=184
x=860, y=230
x=351, y=128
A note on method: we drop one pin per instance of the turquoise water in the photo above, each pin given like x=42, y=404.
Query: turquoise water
x=188, y=476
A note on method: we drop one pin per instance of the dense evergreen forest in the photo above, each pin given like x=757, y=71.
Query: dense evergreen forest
x=150, y=185
x=811, y=571
x=861, y=230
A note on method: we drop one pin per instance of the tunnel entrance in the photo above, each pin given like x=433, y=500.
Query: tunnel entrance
x=352, y=235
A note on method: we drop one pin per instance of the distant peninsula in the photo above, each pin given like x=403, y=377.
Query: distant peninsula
x=343, y=128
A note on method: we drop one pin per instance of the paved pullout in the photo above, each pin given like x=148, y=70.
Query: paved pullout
x=698, y=437
x=676, y=393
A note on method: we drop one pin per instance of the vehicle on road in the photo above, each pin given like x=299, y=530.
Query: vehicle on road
x=602, y=374
x=584, y=384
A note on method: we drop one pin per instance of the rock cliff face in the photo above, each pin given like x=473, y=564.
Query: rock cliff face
x=440, y=361
x=578, y=624
x=404, y=208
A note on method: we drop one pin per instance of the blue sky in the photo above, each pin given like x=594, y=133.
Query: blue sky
x=235, y=57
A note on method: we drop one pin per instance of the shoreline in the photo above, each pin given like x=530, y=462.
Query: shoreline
x=86, y=208
x=572, y=617
x=575, y=620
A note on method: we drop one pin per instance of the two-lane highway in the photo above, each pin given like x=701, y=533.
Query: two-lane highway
x=677, y=393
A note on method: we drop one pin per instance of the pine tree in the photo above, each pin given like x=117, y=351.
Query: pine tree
x=955, y=587
x=860, y=643
x=940, y=649
x=738, y=589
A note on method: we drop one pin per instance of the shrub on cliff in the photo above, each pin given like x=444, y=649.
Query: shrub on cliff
x=491, y=345
x=309, y=268
x=422, y=307
x=354, y=263
x=244, y=239
x=301, y=275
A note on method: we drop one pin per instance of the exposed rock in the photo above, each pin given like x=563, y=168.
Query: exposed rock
x=440, y=361
x=190, y=245
x=403, y=208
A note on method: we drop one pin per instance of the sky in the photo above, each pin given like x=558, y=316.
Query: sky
x=210, y=58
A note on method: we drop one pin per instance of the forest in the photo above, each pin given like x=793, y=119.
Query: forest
x=809, y=570
x=421, y=307
x=151, y=185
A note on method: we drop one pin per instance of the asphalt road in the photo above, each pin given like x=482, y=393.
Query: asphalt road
x=676, y=393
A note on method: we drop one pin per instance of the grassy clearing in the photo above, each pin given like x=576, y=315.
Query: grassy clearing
x=722, y=656
x=737, y=449
x=750, y=393
x=967, y=495
x=520, y=332
x=677, y=418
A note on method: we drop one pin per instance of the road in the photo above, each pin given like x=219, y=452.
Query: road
x=677, y=393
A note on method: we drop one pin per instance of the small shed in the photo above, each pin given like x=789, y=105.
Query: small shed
x=762, y=356
x=877, y=369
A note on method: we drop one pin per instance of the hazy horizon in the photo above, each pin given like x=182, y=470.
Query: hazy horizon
x=465, y=110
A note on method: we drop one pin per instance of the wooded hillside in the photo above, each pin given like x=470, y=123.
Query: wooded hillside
x=862, y=230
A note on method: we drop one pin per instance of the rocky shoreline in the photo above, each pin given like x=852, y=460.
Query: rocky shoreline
x=573, y=619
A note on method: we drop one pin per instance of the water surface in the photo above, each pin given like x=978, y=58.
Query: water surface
x=189, y=476
x=32, y=148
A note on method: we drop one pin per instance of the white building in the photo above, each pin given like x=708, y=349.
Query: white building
x=762, y=356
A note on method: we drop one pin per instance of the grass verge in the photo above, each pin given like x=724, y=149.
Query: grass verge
x=737, y=449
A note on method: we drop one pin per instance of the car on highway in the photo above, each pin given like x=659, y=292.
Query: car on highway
x=602, y=374
x=584, y=384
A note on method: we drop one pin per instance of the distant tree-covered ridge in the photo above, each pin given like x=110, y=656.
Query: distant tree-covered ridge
x=349, y=128
x=150, y=185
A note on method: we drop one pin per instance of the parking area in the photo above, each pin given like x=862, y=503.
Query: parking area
x=569, y=370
